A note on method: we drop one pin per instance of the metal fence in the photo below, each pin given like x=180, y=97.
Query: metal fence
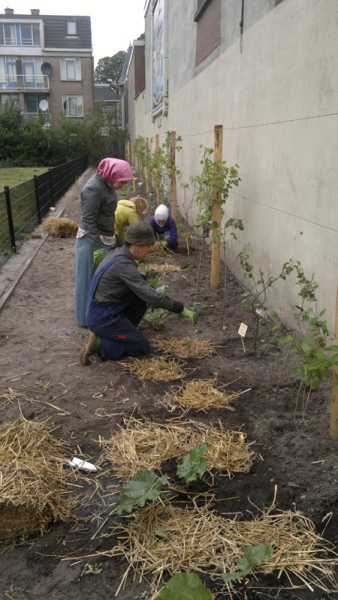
x=23, y=206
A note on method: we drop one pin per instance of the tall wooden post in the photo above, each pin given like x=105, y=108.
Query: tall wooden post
x=148, y=153
x=216, y=217
x=173, y=186
x=334, y=397
x=157, y=182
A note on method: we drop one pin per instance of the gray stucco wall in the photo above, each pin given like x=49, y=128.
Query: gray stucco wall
x=275, y=92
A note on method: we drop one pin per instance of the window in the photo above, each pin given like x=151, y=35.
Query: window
x=73, y=106
x=208, y=18
x=21, y=34
x=9, y=35
x=71, y=69
x=71, y=28
x=10, y=100
x=32, y=103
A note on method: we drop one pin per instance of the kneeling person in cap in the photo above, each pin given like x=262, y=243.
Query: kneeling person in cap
x=119, y=296
x=164, y=226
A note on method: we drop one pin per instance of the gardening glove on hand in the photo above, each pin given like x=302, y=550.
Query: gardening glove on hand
x=190, y=313
x=177, y=307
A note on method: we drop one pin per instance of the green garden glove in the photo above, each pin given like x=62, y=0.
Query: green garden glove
x=190, y=313
x=98, y=256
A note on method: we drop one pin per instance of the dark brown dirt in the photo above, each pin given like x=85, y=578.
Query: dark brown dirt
x=39, y=360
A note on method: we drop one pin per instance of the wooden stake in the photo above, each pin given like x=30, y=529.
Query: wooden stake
x=173, y=186
x=216, y=217
x=149, y=181
x=334, y=397
x=157, y=184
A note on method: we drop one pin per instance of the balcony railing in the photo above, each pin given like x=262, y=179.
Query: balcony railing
x=24, y=82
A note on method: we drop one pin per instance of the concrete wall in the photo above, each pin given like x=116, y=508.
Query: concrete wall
x=275, y=91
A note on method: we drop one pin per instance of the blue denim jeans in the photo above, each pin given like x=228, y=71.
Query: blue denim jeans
x=84, y=269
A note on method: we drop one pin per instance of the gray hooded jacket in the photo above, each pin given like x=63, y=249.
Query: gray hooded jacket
x=98, y=204
x=122, y=279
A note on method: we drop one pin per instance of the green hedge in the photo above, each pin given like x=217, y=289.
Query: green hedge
x=31, y=144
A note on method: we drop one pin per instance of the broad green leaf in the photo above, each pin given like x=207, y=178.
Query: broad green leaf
x=254, y=556
x=145, y=486
x=194, y=465
x=185, y=586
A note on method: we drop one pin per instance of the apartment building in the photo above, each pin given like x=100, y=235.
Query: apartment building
x=46, y=65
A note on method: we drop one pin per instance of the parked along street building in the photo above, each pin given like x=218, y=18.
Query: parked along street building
x=267, y=70
x=46, y=65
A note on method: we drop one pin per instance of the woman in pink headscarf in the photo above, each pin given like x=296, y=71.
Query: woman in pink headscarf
x=96, y=230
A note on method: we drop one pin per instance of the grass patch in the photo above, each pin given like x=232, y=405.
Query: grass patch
x=13, y=176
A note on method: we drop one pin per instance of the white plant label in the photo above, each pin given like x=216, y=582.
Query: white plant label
x=243, y=330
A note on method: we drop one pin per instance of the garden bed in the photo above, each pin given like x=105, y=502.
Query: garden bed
x=294, y=457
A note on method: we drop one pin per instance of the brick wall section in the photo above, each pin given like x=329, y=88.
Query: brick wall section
x=59, y=88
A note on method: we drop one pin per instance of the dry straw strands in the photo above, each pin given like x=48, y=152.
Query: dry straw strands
x=33, y=484
x=186, y=347
x=146, y=445
x=60, y=227
x=163, y=268
x=168, y=539
x=200, y=395
x=155, y=369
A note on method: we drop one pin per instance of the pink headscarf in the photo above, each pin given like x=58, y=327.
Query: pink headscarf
x=115, y=170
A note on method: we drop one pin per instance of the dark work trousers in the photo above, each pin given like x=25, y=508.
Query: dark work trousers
x=116, y=324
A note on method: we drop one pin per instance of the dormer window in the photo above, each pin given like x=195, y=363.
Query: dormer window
x=71, y=28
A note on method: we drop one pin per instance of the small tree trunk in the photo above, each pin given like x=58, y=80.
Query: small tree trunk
x=173, y=175
x=216, y=217
x=334, y=397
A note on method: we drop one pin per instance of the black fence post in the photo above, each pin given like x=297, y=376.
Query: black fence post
x=37, y=198
x=50, y=182
x=10, y=218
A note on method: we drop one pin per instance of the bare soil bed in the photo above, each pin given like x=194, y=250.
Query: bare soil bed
x=42, y=378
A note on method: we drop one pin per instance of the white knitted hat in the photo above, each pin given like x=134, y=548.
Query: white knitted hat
x=161, y=213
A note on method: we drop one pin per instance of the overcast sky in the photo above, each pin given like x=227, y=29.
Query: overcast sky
x=115, y=23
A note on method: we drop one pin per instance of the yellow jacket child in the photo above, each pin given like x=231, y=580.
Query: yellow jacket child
x=129, y=212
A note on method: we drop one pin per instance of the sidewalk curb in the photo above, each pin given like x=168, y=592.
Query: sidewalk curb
x=5, y=295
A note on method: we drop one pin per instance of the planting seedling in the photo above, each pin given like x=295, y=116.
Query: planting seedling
x=185, y=586
x=146, y=486
x=212, y=192
x=254, y=556
x=147, y=445
x=191, y=314
x=155, y=318
x=194, y=464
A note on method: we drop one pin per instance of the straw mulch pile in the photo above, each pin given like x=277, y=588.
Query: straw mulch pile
x=34, y=488
x=155, y=369
x=146, y=445
x=186, y=347
x=60, y=227
x=168, y=539
x=200, y=395
x=163, y=268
